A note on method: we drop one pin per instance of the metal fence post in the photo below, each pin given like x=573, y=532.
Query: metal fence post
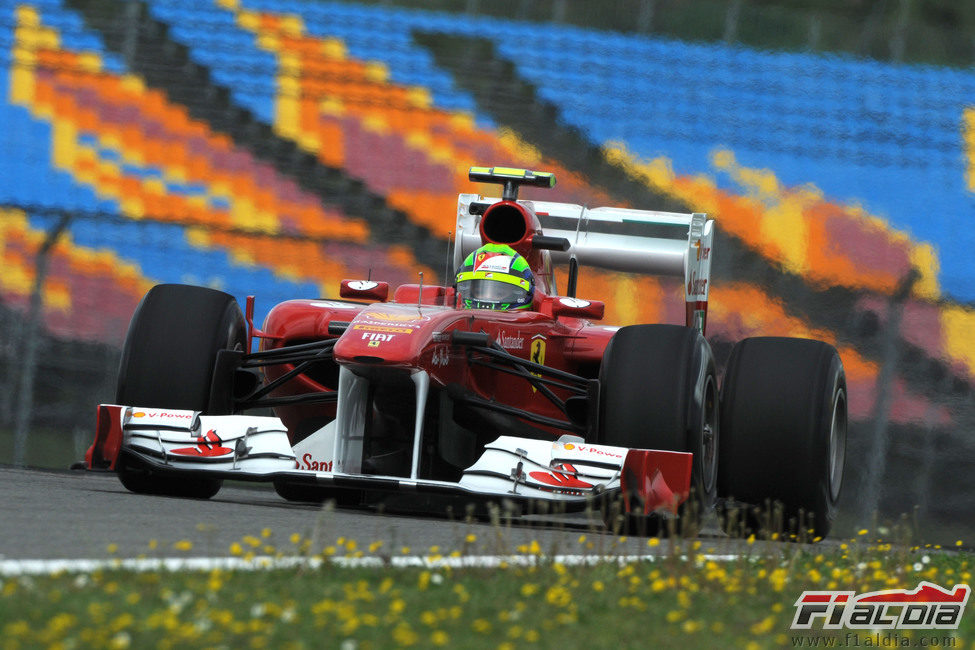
x=14, y=328
x=898, y=40
x=644, y=21
x=32, y=327
x=731, y=21
x=879, y=446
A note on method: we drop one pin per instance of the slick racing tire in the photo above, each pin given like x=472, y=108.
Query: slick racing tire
x=312, y=494
x=658, y=390
x=783, y=444
x=168, y=362
x=299, y=493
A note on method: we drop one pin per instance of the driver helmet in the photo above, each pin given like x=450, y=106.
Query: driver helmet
x=495, y=276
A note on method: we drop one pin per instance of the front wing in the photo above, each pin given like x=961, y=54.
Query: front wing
x=256, y=448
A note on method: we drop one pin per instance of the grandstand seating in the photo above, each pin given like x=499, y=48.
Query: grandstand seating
x=861, y=131
x=350, y=85
x=121, y=149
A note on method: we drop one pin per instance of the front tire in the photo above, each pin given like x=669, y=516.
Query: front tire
x=784, y=422
x=168, y=362
x=299, y=493
x=658, y=390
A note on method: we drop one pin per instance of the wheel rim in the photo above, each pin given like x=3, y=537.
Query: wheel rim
x=709, y=437
x=837, y=444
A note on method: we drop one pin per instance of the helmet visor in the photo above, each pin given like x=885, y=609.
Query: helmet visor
x=493, y=291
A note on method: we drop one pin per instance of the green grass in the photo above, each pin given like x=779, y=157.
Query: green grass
x=681, y=599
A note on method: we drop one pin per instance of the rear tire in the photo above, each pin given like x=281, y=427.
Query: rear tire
x=168, y=362
x=783, y=422
x=658, y=390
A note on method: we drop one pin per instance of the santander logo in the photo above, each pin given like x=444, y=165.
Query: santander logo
x=308, y=462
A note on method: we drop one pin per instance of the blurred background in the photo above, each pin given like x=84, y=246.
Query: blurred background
x=276, y=147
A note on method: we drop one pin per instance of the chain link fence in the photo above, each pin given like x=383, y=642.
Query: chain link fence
x=60, y=358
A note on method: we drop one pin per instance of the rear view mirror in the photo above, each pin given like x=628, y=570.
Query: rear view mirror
x=364, y=290
x=577, y=308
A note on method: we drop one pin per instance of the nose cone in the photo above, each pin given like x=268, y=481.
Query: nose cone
x=387, y=334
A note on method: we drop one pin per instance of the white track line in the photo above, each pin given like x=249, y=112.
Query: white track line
x=11, y=568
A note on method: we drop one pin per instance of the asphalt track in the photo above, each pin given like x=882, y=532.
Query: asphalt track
x=48, y=514
x=53, y=515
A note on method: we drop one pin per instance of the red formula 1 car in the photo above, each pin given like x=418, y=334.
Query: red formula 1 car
x=496, y=389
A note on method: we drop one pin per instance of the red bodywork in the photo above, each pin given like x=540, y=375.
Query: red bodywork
x=103, y=453
x=410, y=334
x=414, y=331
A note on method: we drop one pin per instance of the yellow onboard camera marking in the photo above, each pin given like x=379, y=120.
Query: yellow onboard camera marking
x=380, y=328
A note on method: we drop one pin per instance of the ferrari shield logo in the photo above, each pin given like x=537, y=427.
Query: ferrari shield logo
x=537, y=354
x=538, y=351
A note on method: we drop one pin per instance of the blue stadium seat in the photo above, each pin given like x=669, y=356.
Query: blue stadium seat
x=863, y=130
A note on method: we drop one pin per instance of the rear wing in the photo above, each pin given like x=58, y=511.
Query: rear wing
x=617, y=239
